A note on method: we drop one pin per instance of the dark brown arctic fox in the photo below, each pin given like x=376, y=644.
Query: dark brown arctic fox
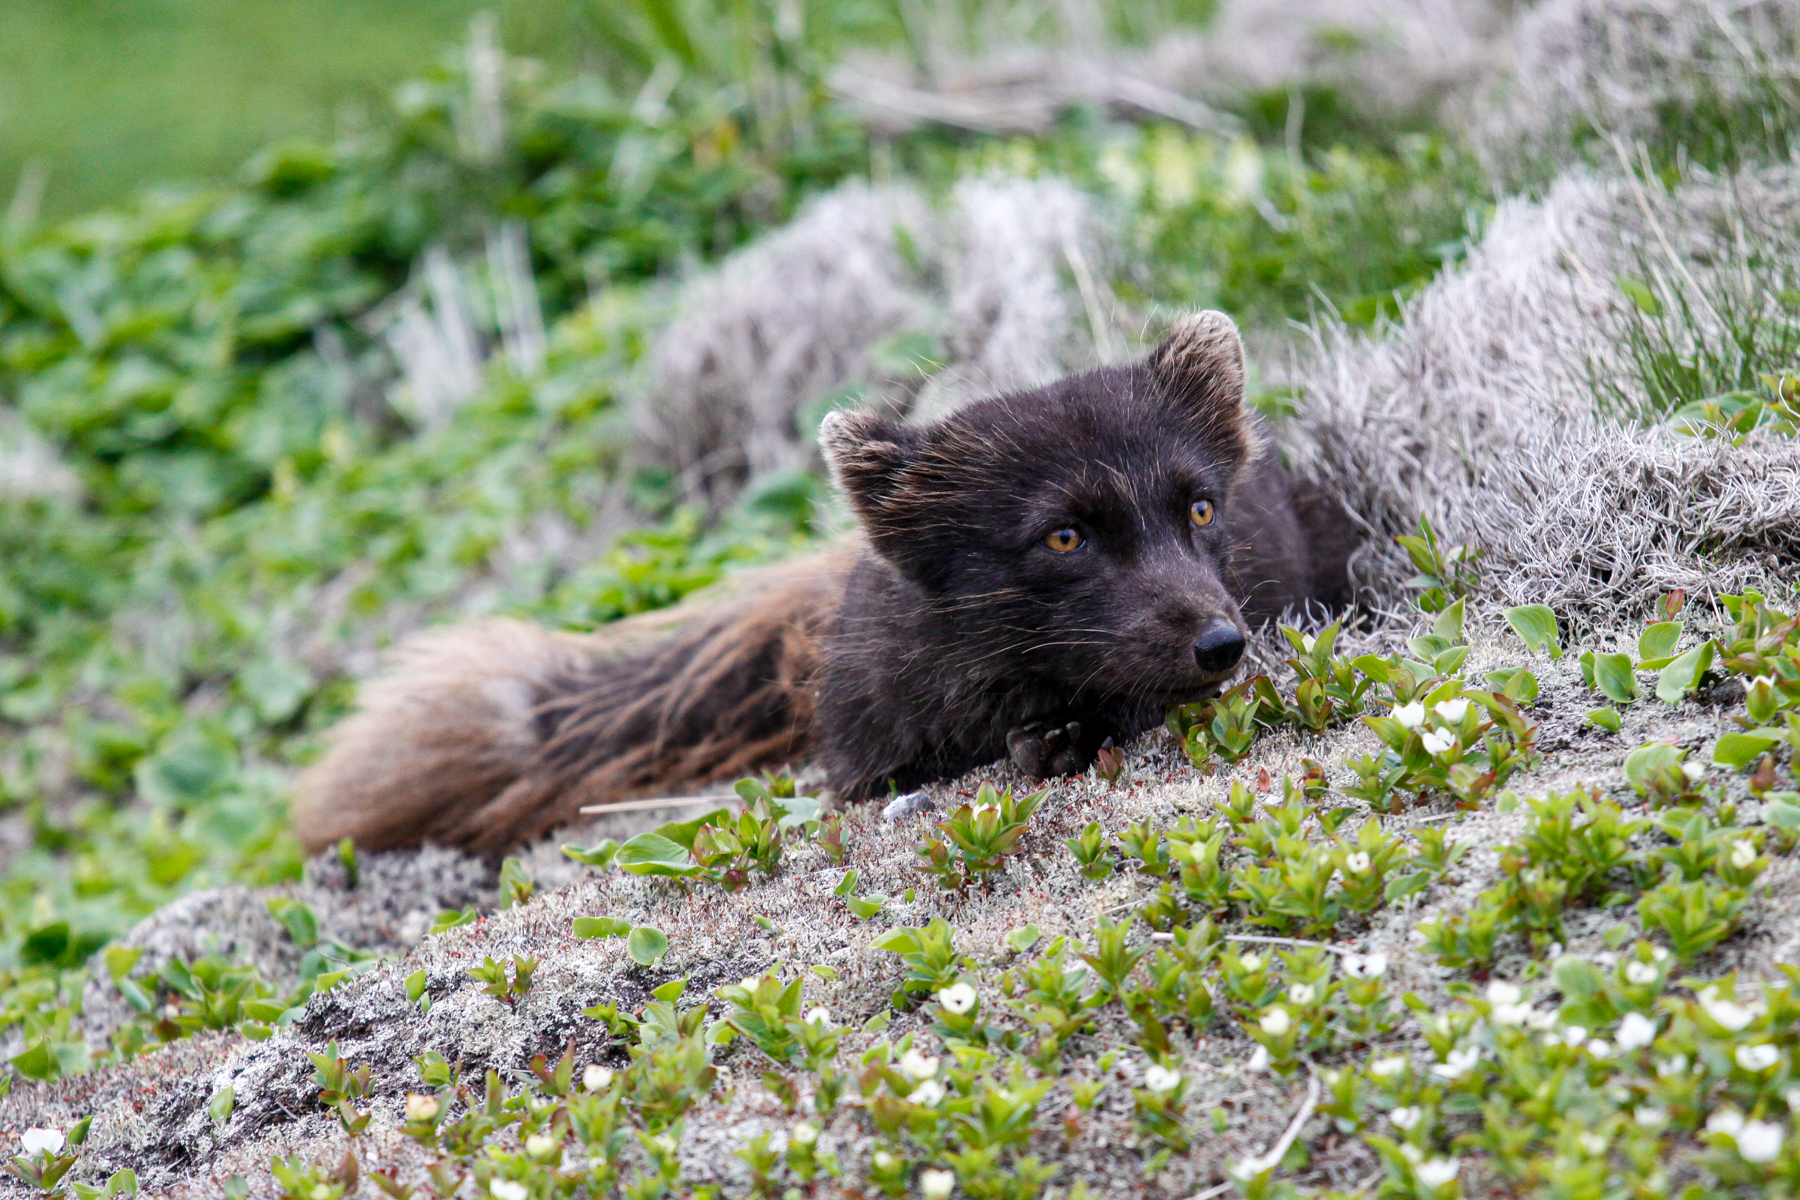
x=1034, y=574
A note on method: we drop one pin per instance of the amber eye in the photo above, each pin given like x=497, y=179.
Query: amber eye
x=1063, y=541
x=1200, y=512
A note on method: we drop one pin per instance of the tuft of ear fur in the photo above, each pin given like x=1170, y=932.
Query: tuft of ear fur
x=873, y=461
x=1201, y=363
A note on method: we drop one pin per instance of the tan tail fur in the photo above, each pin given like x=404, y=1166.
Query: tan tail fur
x=489, y=734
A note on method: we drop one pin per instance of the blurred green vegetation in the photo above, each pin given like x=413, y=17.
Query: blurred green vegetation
x=240, y=504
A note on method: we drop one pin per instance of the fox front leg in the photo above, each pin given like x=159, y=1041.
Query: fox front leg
x=1041, y=749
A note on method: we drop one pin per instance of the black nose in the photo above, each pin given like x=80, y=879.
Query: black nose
x=1218, y=648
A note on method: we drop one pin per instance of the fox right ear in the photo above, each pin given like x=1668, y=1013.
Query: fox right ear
x=1201, y=364
x=869, y=457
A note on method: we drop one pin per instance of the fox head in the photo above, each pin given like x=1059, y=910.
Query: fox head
x=1079, y=533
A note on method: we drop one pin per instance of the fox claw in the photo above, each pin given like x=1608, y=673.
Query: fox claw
x=1041, y=751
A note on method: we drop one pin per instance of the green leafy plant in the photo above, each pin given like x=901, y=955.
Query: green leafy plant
x=979, y=836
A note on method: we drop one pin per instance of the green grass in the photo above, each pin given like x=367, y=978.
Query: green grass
x=111, y=94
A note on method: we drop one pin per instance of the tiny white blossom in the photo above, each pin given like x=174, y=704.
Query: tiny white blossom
x=818, y=1015
x=1384, y=1067
x=1651, y=1117
x=805, y=1134
x=1672, y=1066
x=1251, y=962
x=1358, y=862
x=1511, y=1014
x=1436, y=1172
x=41, y=1141
x=1742, y=854
x=1501, y=992
x=1276, y=1021
x=883, y=1161
x=1453, y=710
x=539, y=1145
x=1301, y=993
x=1437, y=741
x=1541, y=1018
x=928, y=1093
x=665, y=1143
x=1593, y=1143
x=1639, y=972
x=1759, y=1141
x=1693, y=770
x=1757, y=1059
x=959, y=998
x=1732, y=1017
x=1659, y=954
x=506, y=1189
x=596, y=1078
x=749, y=982
x=1160, y=1079
x=1600, y=1048
x=918, y=1066
x=421, y=1108
x=1635, y=1032
x=1457, y=1063
x=1726, y=1121
x=1405, y=1118
x=1410, y=715
x=1792, y=1096
x=1365, y=966
x=1574, y=1035
x=1259, y=1059
x=937, y=1185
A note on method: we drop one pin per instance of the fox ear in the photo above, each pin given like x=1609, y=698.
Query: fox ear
x=868, y=456
x=1201, y=366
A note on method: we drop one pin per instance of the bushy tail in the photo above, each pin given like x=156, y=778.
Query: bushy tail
x=489, y=734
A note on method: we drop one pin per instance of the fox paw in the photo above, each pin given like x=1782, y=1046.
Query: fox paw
x=1041, y=750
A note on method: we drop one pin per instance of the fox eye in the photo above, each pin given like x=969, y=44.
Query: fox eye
x=1064, y=541
x=1200, y=512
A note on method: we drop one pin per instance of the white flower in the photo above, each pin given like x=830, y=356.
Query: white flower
x=1651, y=1117
x=1726, y=1121
x=1672, y=1066
x=1540, y=1019
x=540, y=1146
x=883, y=1161
x=1276, y=1021
x=936, y=1184
x=805, y=1134
x=1501, y=992
x=1574, y=1035
x=1436, y=1172
x=1600, y=1048
x=749, y=982
x=1160, y=1079
x=1639, y=972
x=1410, y=715
x=1635, y=1031
x=421, y=1108
x=1732, y=1017
x=1452, y=710
x=1365, y=966
x=1381, y=1068
x=1405, y=1118
x=1511, y=1014
x=928, y=1093
x=1593, y=1143
x=506, y=1189
x=1301, y=993
x=1758, y=1058
x=1693, y=771
x=1659, y=954
x=1456, y=1063
x=41, y=1141
x=1742, y=854
x=918, y=1066
x=959, y=998
x=665, y=1143
x=596, y=1078
x=1358, y=862
x=1251, y=962
x=1259, y=1059
x=1792, y=1096
x=1437, y=741
x=1759, y=1141
x=819, y=1015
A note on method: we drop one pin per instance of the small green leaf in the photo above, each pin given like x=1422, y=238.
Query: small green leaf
x=223, y=1101
x=1684, y=674
x=1536, y=626
x=764, y=923
x=1023, y=938
x=878, y=1022
x=119, y=960
x=1449, y=624
x=1576, y=979
x=1613, y=674
x=600, y=855
x=1605, y=718
x=646, y=945
x=1402, y=886
x=1641, y=295
x=1742, y=749
x=450, y=918
x=865, y=906
x=601, y=927
x=37, y=1061
x=1659, y=640
x=654, y=854
x=297, y=919
x=847, y=885
x=122, y=1183
x=415, y=985
x=670, y=991
x=1782, y=810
